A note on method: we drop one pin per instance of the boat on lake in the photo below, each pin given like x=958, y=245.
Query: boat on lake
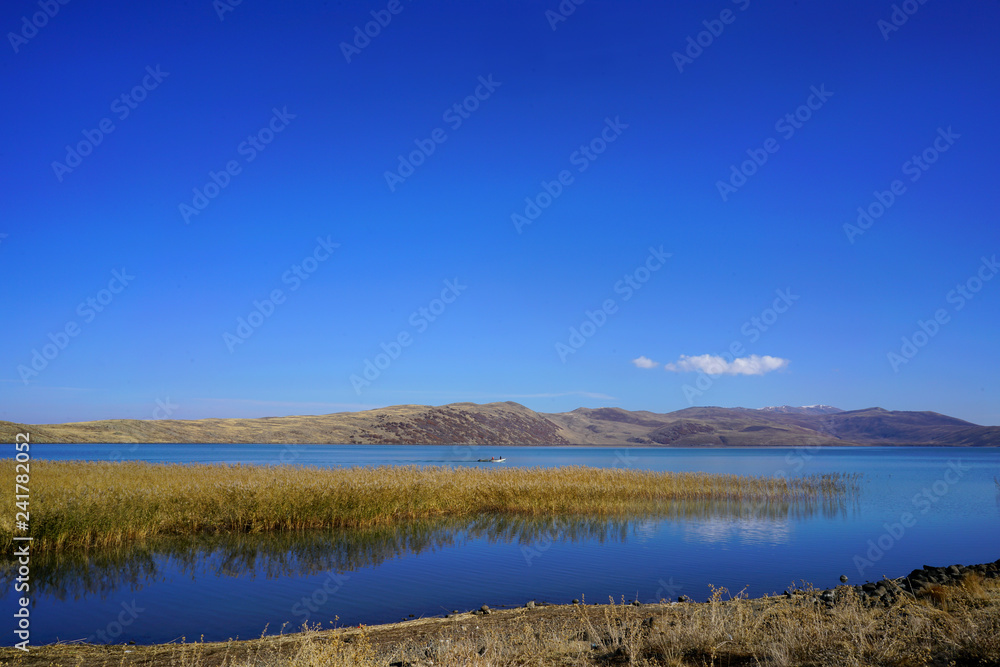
x=493, y=460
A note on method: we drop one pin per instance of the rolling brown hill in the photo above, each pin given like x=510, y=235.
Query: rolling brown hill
x=462, y=423
x=513, y=424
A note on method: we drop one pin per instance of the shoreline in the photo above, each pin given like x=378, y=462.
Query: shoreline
x=947, y=612
x=624, y=445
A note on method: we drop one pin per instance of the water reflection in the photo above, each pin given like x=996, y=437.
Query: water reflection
x=747, y=531
x=77, y=574
x=80, y=574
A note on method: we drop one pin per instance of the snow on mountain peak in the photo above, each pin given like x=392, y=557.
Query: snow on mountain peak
x=804, y=409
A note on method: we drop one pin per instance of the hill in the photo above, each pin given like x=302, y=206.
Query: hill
x=513, y=424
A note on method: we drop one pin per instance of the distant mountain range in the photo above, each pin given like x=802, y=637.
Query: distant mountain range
x=513, y=424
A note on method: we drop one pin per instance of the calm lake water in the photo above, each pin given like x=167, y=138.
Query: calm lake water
x=236, y=586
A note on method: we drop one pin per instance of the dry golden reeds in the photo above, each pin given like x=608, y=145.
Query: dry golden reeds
x=104, y=504
x=774, y=632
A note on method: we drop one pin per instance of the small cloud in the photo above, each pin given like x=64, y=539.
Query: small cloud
x=645, y=362
x=715, y=365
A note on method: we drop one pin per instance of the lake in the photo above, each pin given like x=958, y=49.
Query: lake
x=915, y=506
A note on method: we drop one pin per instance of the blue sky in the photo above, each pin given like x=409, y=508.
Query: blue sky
x=259, y=200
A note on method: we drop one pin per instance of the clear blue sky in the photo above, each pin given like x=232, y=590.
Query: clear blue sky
x=622, y=131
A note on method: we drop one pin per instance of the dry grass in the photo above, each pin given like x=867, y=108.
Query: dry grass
x=456, y=423
x=768, y=631
x=100, y=504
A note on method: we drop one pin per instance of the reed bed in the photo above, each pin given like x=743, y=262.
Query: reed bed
x=78, y=504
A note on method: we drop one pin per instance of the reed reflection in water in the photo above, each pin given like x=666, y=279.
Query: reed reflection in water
x=77, y=574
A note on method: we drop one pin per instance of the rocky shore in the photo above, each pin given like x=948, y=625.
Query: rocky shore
x=919, y=583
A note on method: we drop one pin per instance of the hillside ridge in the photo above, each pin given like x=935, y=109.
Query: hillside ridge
x=510, y=423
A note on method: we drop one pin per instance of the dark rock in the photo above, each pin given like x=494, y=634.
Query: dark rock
x=575, y=601
x=843, y=578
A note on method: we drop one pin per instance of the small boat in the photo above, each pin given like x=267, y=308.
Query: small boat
x=492, y=460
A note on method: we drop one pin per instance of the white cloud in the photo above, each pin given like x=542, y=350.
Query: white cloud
x=715, y=365
x=645, y=362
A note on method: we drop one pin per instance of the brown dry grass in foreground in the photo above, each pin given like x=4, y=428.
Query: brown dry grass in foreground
x=99, y=504
x=958, y=625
